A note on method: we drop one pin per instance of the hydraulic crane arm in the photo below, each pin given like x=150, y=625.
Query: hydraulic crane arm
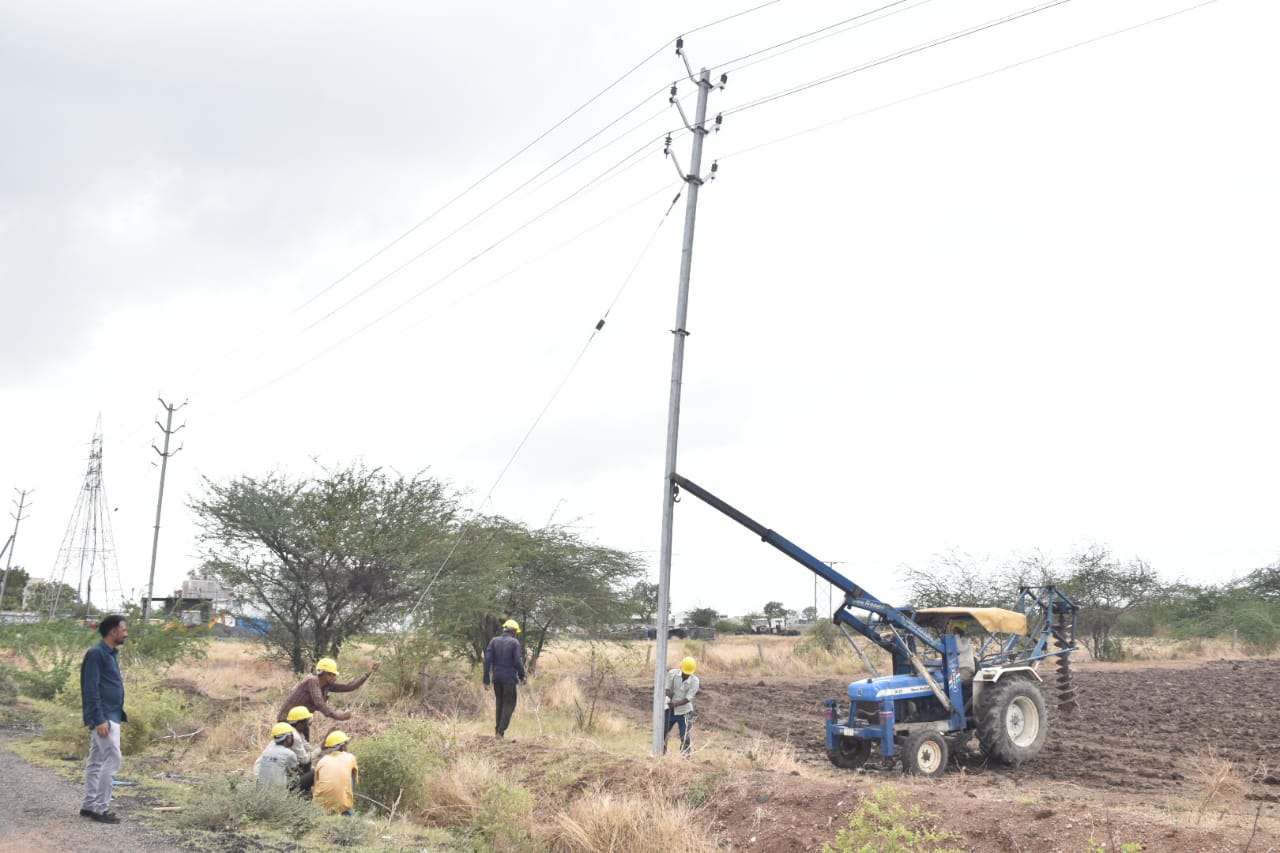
x=854, y=595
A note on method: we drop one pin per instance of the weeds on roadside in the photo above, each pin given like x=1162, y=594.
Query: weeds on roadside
x=883, y=824
x=237, y=803
x=345, y=831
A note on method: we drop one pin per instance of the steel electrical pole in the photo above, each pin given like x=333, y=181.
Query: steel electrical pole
x=164, y=467
x=12, y=543
x=693, y=181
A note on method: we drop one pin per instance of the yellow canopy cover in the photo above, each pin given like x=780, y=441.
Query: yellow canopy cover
x=994, y=619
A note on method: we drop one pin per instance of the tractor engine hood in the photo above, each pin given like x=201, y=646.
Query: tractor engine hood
x=888, y=687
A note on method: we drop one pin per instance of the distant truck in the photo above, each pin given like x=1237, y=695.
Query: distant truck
x=777, y=625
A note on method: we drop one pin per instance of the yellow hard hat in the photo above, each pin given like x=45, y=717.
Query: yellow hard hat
x=688, y=665
x=511, y=624
x=279, y=730
x=299, y=712
x=327, y=665
x=335, y=738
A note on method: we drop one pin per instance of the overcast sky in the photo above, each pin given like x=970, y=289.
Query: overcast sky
x=1012, y=291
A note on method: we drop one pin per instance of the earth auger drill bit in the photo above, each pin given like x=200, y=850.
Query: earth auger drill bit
x=1066, y=689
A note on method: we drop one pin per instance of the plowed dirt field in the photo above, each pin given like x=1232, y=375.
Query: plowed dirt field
x=1172, y=757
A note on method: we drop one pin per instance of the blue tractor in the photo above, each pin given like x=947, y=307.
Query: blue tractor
x=958, y=673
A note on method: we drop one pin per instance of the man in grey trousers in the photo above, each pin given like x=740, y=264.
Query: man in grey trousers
x=102, y=699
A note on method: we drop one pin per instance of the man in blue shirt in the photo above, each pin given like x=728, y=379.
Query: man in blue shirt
x=504, y=664
x=102, y=699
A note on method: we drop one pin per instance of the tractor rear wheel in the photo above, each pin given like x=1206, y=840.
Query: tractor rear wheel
x=850, y=753
x=924, y=754
x=1013, y=722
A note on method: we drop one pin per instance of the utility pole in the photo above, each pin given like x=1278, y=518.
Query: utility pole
x=693, y=180
x=168, y=431
x=13, y=540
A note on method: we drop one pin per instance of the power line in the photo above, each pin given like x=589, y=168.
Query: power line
x=432, y=285
x=902, y=54
x=858, y=20
x=489, y=174
x=992, y=72
x=547, y=406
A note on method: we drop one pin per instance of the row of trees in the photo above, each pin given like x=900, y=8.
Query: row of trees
x=1117, y=597
x=360, y=549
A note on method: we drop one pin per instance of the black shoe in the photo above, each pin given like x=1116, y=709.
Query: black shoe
x=87, y=813
x=105, y=817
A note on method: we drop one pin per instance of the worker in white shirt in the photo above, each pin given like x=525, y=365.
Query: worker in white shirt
x=278, y=760
x=682, y=686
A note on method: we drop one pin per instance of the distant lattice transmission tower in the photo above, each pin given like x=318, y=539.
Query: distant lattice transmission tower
x=86, y=571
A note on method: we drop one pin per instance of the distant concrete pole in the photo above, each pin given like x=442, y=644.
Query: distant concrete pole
x=164, y=467
x=693, y=182
x=13, y=542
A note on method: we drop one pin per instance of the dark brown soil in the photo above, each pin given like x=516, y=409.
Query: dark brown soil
x=1171, y=757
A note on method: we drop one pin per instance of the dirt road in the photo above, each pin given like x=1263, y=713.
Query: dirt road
x=40, y=813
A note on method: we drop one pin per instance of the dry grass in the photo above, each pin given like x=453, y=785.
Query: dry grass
x=1223, y=788
x=456, y=795
x=604, y=823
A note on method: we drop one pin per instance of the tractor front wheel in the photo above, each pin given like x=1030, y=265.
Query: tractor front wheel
x=925, y=754
x=850, y=753
x=1013, y=722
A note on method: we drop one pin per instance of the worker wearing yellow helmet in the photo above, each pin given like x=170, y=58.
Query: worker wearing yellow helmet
x=313, y=691
x=277, y=762
x=504, y=667
x=681, y=686
x=300, y=718
x=337, y=774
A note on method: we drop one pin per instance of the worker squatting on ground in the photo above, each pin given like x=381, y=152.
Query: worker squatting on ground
x=278, y=762
x=313, y=691
x=681, y=687
x=102, y=702
x=504, y=666
x=307, y=752
x=337, y=774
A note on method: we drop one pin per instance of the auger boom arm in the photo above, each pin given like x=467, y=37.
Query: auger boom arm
x=951, y=682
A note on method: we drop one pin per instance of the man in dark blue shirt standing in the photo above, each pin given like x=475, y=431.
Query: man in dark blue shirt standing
x=504, y=663
x=102, y=698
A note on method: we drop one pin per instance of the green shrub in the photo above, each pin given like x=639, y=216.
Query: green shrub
x=152, y=711
x=824, y=638
x=501, y=820
x=1258, y=634
x=8, y=687
x=397, y=762
x=229, y=806
x=342, y=831
x=1111, y=649
x=884, y=825
x=158, y=648
x=404, y=658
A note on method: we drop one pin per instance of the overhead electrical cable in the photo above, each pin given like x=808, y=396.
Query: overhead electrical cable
x=495, y=170
x=901, y=54
x=649, y=58
x=990, y=73
x=382, y=279
x=550, y=401
x=731, y=66
x=421, y=292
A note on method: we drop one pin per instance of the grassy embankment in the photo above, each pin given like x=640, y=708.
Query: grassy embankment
x=574, y=775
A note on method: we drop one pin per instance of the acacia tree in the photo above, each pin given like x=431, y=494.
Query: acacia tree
x=326, y=557
x=1106, y=589
x=548, y=580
